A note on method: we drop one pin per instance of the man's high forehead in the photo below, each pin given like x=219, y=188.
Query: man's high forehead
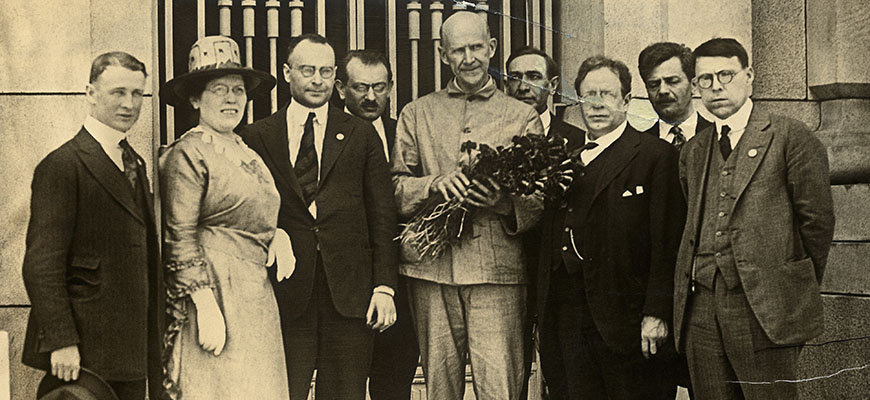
x=310, y=53
x=358, y=71
x=463, y=30
x=118, y=76
x=715, y=64
x=528, y=62
x=670, y=68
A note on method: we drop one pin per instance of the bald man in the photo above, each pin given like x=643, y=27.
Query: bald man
x=470, y=299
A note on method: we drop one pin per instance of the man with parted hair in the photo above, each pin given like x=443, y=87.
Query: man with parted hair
x=91, y=265
x=607, y=255
x=755, y=245
x=533, y=77
x=364, y=81
x=337, y=208
x=667, y=70
x=470, y=300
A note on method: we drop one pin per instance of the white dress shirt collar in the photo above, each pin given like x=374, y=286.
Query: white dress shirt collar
x=298, y=112
x=546, y=120
x=688, y=128
x=108, y=138
x=603, y=141
x=382, y=132
x=737, y=122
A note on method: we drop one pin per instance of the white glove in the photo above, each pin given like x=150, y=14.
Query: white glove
x=281, y=250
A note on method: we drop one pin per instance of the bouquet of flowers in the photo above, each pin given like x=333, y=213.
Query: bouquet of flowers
x=532, y=165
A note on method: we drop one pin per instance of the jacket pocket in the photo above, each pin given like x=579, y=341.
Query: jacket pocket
x=83, y=278
x=786, y=301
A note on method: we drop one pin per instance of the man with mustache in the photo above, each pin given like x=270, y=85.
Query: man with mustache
x=667, y=70
x=608, y=253
x=532, y=77
x=92, y=266
x=364, y=80
x=755, y=245
x=337, y=208
x=470, y=300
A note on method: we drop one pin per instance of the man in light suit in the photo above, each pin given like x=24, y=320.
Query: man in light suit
x=91, y=268
x=364, y=83
x=667, y=70
x=756, y=241
x=337, y=208
x=469, y=302
x=608, y=252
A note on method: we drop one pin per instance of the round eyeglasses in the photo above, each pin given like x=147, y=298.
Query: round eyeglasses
x=725, y=76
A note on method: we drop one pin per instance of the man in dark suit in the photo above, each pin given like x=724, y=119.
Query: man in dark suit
x=608, y=252
x=364, y=82
x=667, y=70
x=756, y=241
x=337, y=208
x=533, y=77
x=91, y=267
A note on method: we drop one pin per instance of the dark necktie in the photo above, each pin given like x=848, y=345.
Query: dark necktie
x=306, y=162
x=725, y=142
x=587, y=146
x=130, y=164
x=679, y=139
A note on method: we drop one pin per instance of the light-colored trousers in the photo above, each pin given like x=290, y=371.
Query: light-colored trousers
x=481, y=323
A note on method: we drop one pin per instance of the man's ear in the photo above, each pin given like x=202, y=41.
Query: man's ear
x=339, y=85
x=493, y=43
x=286, y=69
x=554, y=84
x=443, y=55
x=90, y=94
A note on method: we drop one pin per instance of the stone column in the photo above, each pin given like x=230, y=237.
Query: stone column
x=838, y=75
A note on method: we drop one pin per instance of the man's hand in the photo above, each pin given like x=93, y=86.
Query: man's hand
x=281, y=250
x=209, y=321
x=653, y=332
x=65, y=363
x=488, y=195
x=382, y=312
x=452, y=184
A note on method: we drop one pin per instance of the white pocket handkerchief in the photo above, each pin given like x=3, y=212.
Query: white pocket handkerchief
x=638, y=190
x=627, y=193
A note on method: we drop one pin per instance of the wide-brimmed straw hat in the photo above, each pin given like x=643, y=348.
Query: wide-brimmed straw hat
x=89, y=386
x=212, y=57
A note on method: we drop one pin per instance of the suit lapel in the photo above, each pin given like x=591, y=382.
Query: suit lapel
x=338, y=133
x=621, y=152
x=704, y=148
x=750, y=150
x=106, y=172
x=277, y=147
x=702, y=124
x=389, y=132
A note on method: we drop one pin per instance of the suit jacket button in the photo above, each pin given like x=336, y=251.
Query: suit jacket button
x=315, y=229
x=564, y=248
x=570, y=209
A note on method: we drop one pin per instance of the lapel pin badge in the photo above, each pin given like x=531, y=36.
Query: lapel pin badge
x=339, y=136
x=752, y=153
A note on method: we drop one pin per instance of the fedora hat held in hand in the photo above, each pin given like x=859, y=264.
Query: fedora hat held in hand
x=89, y=386
x=212, y=57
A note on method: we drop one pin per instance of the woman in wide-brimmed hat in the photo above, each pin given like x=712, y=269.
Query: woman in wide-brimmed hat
x=220, y=208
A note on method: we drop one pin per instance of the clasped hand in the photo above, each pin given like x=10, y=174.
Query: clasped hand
x=653, y=332
x=486, y=194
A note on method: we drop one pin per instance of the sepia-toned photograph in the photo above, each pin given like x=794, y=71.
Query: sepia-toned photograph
x=435, y=200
